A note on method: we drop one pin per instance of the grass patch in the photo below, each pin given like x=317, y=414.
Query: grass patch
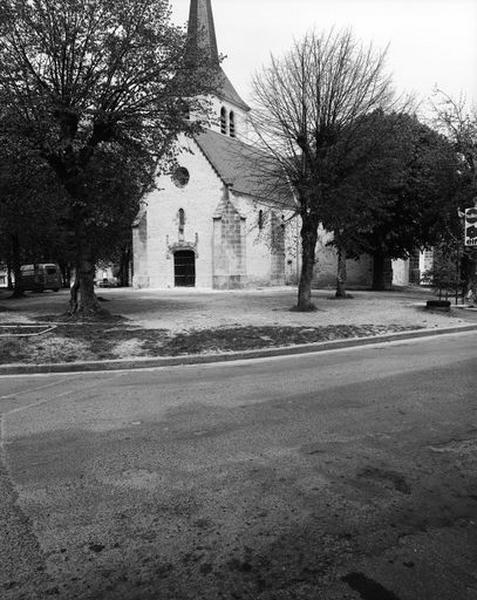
x=99, y=341
x=250, y=338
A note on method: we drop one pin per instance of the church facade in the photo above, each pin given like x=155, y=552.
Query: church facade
x=203, y=227
x=208, y=224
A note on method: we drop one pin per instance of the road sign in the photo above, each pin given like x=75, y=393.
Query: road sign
x=470, y=226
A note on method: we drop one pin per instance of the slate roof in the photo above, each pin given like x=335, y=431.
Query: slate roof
x=226, y=91
x=243, y=167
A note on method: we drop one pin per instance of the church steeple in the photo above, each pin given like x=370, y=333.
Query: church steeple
x=202, y=40
x=201, y=30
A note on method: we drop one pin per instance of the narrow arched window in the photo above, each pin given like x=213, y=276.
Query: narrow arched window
x=260, y=220
x=223, y=120
x=232, y=124
x=181, y=220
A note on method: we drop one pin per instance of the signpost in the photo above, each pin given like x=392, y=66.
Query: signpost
x=470, y=225
x=470, y=241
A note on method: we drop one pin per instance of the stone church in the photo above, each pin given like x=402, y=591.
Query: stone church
x=208, y=224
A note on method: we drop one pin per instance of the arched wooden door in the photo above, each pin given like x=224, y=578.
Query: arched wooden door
x=184, y=268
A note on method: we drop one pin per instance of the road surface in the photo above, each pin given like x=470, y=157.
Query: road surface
x=342, y=475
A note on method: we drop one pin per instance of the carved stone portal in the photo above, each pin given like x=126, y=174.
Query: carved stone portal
x=182, y=245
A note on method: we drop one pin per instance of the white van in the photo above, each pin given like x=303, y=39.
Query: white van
x=41, y=276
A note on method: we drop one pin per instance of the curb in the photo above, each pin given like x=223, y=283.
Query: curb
x=197, y=359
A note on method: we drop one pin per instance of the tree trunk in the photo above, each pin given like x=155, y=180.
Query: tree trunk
x=309, y=235
x=124, y=260
x=65, y=269
x=88, y=304
x=341, y=274
x=74, y=288
x=379, y=260
x=83, y=300
x=472, y=292
x=9, y=276
x=16, y=264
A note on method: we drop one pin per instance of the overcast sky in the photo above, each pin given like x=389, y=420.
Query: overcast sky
x=432, y=42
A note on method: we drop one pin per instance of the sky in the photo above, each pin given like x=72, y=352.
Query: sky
x=431, y=42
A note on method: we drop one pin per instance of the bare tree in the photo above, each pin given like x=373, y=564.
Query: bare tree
x=309, y=104
x=81, y=75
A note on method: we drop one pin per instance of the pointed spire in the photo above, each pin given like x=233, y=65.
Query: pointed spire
x=202, y=40
x=201, y=30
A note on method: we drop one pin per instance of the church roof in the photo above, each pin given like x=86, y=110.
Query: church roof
x=226, y=91
x=242, y=167
x=202, y=38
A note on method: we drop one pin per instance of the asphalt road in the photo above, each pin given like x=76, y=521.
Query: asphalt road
x=343, y=475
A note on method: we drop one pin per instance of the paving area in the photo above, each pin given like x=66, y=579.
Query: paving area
x=349, y=475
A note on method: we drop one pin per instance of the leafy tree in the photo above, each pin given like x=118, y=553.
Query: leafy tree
x=82, y=79
x=402, y=198
x=114, y=185
x=456, y=120
x=31, y=206
x=310, y=105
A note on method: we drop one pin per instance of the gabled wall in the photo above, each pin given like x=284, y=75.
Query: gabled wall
x=198, y=199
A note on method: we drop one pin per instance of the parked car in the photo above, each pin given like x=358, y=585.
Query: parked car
x=107, y=282
x=41, y=276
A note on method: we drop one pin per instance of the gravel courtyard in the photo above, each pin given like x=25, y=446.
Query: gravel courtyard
x=150, y=323
x=186, y=309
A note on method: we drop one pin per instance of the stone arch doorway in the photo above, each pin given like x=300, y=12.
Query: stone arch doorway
x=184, y=268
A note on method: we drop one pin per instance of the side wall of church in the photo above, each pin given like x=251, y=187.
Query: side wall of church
x=359, y=272
x=400, y=268
x=140, y=252
x=271, y=257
